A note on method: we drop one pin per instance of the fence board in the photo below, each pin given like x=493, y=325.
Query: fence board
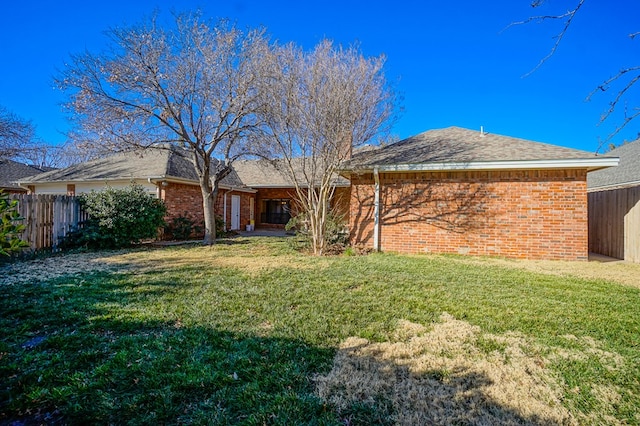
x=48, y=218
x=614, y=223
x=632, y=226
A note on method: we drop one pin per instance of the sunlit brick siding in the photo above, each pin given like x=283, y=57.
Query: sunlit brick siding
x=182, y=200
x=273, y=194
x=340, y=202
x=186, y=200
x=535, y=214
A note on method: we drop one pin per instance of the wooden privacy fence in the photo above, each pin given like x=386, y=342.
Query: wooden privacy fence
x=48, y=218
x=614, y=223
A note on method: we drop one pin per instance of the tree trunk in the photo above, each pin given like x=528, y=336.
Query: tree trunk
x=209, y=196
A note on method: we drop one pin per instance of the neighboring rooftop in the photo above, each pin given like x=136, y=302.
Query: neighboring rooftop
x=626, y=174
x=264, y=173
x=161, y=163
x=122, y=165
x=455, y=145
x=12, y=171
x=166, y=163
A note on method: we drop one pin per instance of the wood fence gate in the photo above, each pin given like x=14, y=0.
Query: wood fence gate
x=614, y=223
x=48, y=218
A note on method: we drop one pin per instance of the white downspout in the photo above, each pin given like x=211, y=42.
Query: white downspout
x=376, y=210
x=224, y=209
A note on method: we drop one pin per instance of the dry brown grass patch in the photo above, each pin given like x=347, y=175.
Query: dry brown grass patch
x=56, y=266
x=453, y=373
x=259, y=259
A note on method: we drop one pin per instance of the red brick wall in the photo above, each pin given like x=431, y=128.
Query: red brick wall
x=274, y=194
x=186, y=200
x=245, y=203
x=537, y=214
x=340, y=201
x=182, y=200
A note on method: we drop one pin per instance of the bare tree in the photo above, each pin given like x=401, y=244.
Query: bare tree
x=16, y=135
x=625, y=79
x=58, y=156
x=566, y=18
x=192, y=85
x=320, y=105
x=18, y=142
x=43, y=155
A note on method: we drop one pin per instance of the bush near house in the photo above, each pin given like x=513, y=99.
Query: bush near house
x=10, y=228
x=184, y=227
x=118, y=218
x=336, y=234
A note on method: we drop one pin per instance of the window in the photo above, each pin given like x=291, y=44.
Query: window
x=276, y=211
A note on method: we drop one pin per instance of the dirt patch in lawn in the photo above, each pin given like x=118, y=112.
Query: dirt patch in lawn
x=452, y=374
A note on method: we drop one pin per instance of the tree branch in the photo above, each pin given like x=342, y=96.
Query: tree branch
x=569, y=15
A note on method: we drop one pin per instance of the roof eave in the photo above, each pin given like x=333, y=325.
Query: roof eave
x=590, y=164
x=193, y=182
x=613, y=186
x=104, y=179
x=284, y=185
x=231, y=188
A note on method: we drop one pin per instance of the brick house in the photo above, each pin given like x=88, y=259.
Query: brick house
x=451, y=190
x=166, y=173
x=460, y=191
x=276, y=192
x=255, y=193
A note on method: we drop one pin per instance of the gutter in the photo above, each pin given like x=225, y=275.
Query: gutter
x=590, y=164
x=376, y=210
x=614, y=186
x=292, y=185
x=159, y=179
x=224, y=209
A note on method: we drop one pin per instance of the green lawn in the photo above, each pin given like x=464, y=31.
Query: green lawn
x=243, y=333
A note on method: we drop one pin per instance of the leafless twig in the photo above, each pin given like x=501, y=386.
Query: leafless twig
x=568, y=17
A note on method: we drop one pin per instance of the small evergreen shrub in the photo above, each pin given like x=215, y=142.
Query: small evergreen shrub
x=118, y=218
x=183, y=228
x=220, y=231
x=10, y=228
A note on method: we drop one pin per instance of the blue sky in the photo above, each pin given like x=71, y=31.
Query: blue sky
x=453, y=62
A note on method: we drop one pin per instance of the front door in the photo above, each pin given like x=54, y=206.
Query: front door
x=235, y=212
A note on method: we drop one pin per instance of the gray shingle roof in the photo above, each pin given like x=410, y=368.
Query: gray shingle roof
x=123, y=165
x=12, y=171
x=152, y=163
x=260, y=173
x=458, y=145
x=264, y=173
x=627, y=172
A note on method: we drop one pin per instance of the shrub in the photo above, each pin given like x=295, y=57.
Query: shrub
x=183, y=228
x=118, y=218
x=220, y=231
x=336, y=235
x=10, y=242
